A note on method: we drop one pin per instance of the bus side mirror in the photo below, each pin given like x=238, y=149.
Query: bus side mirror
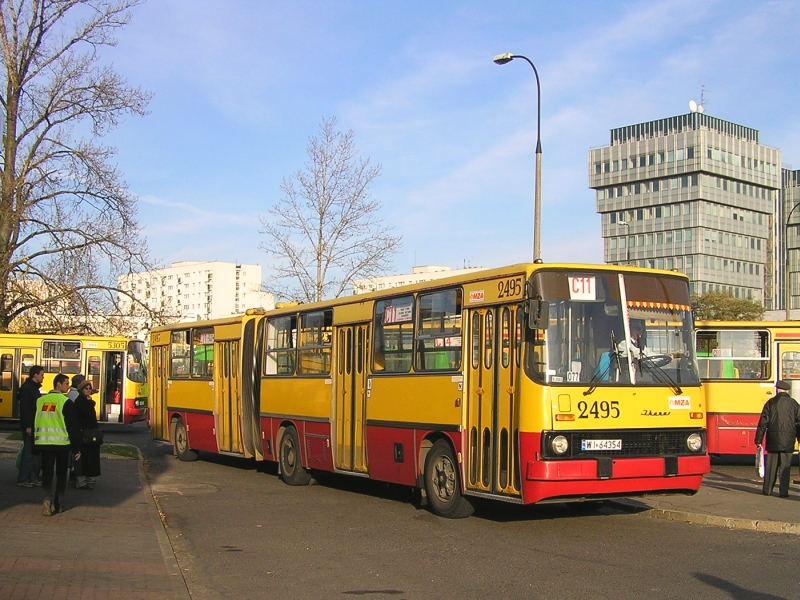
x=538, y=314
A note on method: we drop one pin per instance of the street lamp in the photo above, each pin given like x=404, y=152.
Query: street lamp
x=788, y=289
x=627, y=242
x=502, y=59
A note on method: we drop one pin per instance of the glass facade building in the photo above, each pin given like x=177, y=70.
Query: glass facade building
x=697, y=194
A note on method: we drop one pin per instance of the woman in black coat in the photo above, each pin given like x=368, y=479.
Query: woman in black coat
x=89, y=465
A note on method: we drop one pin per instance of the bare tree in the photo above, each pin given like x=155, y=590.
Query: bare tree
x=325, y=230
x=68, y=223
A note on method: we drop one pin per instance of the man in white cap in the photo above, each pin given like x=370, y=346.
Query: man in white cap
x=780, y=422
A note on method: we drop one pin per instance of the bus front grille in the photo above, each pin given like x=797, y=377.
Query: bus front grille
x=634, y=443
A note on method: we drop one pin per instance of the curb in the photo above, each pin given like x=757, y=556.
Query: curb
x=179, y=585
x=709, y=520
x=7, y=452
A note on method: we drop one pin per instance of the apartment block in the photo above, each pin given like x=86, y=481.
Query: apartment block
x=417, y=275
x=190, y=290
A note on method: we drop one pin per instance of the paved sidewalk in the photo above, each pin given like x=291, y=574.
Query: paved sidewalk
x=729, y=497
x=108, y=543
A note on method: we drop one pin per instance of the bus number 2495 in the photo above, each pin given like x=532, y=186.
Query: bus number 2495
x=599, y=410
x=509, y=288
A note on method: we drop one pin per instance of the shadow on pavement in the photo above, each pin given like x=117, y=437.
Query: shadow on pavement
x=736, y=592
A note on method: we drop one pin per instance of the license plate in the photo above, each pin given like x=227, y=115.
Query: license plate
x=588, y=445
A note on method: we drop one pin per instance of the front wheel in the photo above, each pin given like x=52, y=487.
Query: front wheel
x=181, y=443
x=292, y=471
x=443, y=484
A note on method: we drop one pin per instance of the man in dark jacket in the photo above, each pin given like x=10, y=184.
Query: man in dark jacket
x=27, y=395
x=780, y=420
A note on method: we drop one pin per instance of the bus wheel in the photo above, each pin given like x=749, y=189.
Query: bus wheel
x=443, y=485
x=181, y=443
x=292, y=471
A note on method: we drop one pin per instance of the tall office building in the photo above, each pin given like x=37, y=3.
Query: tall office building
x=789, y=234
x=693, y=193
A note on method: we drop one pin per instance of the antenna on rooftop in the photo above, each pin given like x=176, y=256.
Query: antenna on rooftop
x=698, y=106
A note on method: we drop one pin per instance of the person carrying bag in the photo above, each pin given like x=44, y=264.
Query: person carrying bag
x=780, y=425
x=87, y=469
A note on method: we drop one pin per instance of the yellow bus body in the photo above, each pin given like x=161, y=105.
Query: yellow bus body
x=113, y=364
x=368, y=384
x=740, y=362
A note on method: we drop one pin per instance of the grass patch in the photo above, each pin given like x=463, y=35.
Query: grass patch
x=120, y=450
x=15, y=436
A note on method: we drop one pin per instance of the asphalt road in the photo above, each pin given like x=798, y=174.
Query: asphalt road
x=239, y=532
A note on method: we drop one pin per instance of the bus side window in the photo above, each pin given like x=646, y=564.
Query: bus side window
x=6, y=372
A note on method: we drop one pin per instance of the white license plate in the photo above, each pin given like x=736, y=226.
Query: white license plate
x=601, y=445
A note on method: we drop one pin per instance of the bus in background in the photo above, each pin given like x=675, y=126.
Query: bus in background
x=740, y=362
x=115, y=366
x=529, y=383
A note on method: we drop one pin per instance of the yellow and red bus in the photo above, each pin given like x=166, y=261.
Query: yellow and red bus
x=514, y=384
x=740, y=362
x=115, y=366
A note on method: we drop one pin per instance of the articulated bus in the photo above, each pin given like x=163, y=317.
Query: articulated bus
x=740, y=362
x=513, y=384
x=114, y=365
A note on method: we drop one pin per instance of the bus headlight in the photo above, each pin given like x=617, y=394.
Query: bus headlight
x=694, y=442
x=560, y=444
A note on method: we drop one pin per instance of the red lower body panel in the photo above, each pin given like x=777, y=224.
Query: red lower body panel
x=200, y=429
x=314, y=438
x=552, y=479
x=130, y=413
x=732, y=433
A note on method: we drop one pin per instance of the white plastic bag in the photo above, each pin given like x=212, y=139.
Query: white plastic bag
x=760, y=461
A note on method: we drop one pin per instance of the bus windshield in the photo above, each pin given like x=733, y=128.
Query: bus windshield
x=607, y=328
x=137, y=368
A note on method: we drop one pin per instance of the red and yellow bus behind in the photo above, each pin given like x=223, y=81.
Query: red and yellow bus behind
x=740, y=362
x=115, y=366
x=513, y=384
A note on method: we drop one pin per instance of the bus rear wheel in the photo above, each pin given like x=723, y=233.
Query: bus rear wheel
x=181, y=443
x=292, y=471
x=443, y=484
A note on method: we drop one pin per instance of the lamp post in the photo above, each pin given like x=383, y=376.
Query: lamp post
x=627, y=242
x=502, y=59
x=788, y=288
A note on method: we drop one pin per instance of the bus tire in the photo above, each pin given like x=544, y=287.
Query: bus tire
x=443, y=484
x=181, y=443
x=292, y=471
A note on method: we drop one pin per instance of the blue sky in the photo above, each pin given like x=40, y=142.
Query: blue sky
x=240, y=85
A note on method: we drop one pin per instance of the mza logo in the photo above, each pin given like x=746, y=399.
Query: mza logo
x=680, y=402
x=476, y=296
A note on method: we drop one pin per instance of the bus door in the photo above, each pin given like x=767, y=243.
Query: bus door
x=492, y=411
x=159, y=423
x=227, y=396
x=351, y=395
x=93, y=370
x=789, y=366
x=111, y=392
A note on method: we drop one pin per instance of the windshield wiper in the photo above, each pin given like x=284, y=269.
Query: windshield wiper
x=657, y=371
x=599, y=376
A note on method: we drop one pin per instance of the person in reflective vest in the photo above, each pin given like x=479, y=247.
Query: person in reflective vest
x=56, y=432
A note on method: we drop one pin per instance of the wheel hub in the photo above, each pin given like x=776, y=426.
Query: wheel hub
x=444, y=479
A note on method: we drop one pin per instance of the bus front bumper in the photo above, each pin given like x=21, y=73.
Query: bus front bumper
x=608, y=477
